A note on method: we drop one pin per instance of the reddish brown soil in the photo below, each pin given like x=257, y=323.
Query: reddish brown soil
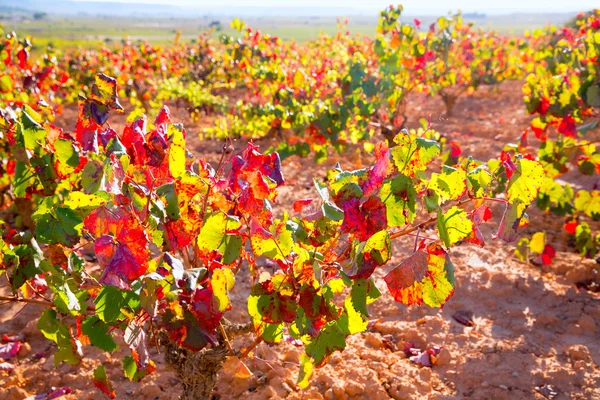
x=533, y=329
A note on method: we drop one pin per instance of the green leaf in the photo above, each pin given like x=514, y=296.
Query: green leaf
x=364, y=292
x=66, y=152
x=333, y=212
x=97, y=331
x=58, y=332
x=330, y=339
x=172, y=201
x=585, y=242
x=522, y=250
x=453, y=225
x=108, y=303
x=479, y=181
x=25, y=260
x=592, y=96
x=64, y=229
x=400, y=198
x=219, y=233
x=131, y=370
x=66, y=300
x=101, y=382
x=525, y=181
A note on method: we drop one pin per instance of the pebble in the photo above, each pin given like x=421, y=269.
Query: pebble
x=503, y=387
x=270, y=392
x=587, y=323
x=579, y=352
x=515, y=374
x=354, y=388
x=373, y=340
x=444, y=357
x=292, y=355
x=25, y=350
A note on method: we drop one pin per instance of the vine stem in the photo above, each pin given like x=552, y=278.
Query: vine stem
x=24, y=300
x=225, y=338
x=256, y=342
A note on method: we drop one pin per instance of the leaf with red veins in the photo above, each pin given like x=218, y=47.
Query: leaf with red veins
x=105, y=248
x=362, y=220
x=125, y=266
x=260, y=188
x=269, y=165
x=379, y=171
x=134, y=140
x=426, y=276
x=130, y=256
x=86, y=128
x=156, y=148
x=478, y=216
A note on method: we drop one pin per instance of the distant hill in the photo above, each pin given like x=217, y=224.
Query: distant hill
x=93, y=8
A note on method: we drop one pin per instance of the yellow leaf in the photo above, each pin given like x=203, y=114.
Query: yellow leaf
x=538, y=242
x=177, y=151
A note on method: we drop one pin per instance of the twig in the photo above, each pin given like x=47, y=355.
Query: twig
x=24, y=300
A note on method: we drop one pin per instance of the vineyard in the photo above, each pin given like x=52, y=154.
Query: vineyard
x=410, y=215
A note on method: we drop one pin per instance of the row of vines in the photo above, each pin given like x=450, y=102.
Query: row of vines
x=171, y=232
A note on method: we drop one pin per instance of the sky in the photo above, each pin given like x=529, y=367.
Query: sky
x=410, y=6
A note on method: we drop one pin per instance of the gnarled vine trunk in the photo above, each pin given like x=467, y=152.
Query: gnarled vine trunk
x=198, y=370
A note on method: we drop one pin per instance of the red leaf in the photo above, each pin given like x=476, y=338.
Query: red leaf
x=205, y=310
x=567, y=127
x=571, y=226
x=299, y=205
x=9, y=350
x=379, y=171
x=480, y=215
x=163, y=117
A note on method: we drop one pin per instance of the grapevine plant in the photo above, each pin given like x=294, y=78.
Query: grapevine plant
x=171, y=234
x=563, y=93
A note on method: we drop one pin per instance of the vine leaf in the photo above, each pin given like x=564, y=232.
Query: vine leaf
x=101, y=382
x=413, y=155
x=451, y=184
x=525, y=181
x=400, y=198
x=97, y=331
x=453, y=225
x=426, y=276
x=330, y=339
x=514, y=217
